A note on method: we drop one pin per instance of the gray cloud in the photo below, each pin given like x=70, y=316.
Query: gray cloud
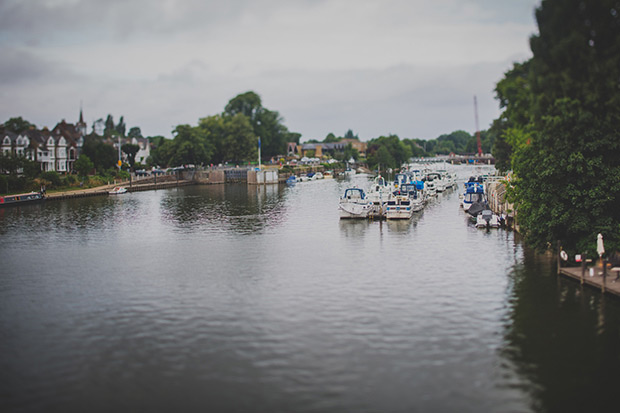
x=394, y=66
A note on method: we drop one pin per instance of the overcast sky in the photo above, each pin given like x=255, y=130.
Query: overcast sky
x=407, y=67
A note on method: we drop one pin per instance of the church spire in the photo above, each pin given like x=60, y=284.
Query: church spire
x=81, y=125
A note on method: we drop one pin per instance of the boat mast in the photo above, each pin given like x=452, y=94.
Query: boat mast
x=477, y=127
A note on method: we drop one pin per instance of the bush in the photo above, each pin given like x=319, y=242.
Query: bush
x=4, y=184
x=52, y=177
x=70, y=180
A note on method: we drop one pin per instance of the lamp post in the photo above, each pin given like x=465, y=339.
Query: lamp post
x=259, y=164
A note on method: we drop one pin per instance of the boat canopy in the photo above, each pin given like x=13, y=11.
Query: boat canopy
x=354, y=193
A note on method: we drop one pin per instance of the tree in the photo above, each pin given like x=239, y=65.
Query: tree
x=17, y=125
x=240, y=143
x=110, y=128
x=393, y=154
x=350, y=135
x=266, y=124
x=350, y=152
x=248, y=104
x=331, y=138
x=131, y=150
x=189, y=146
x=120, y=128
x=511, y=128
x=102, y=155
x=135, y=132
x=83, y=165
x=214, y=128
x=564, y=129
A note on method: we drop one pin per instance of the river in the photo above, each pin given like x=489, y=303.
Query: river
x=230, y=298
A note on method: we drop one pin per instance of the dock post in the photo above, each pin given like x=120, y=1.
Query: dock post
x=604, y=274
x=558, y=257
x=583, y=268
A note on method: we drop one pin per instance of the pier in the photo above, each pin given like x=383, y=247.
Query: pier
x=605, y=280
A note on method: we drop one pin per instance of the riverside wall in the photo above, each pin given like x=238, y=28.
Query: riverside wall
x=496, y=194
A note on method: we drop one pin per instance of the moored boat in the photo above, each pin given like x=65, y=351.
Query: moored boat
x=118, y=190
x=379, y=194
x=474, y=192
x=487, y=219
x=19, y=199
x=354, y=204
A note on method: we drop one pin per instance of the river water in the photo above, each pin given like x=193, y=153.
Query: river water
x=259, y=299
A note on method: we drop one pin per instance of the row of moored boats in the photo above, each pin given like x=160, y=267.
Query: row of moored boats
x=475, y=203
x=409, y=193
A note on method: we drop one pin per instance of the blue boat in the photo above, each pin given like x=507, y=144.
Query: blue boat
x=474, y=192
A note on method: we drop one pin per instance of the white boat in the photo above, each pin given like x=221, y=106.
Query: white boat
x=487, y=219
x=416, y=195
x=318, y=175
x=437, y=181
x=399, y=207
x=429, y=188
x=379, y=194
x=354, y=204
x=449, y=178
x=117, y=190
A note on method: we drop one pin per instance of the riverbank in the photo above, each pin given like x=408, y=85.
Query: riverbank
x=496, y=195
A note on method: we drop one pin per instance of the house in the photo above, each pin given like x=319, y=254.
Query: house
x=145, y=149
x=55, y=150
x=324, y=149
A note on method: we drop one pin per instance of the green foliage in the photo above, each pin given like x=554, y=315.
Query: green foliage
x=131, y=150
x=350, y=152
x=83, y=165
x=17, y=125
x=52, y=177
x=248, y=104
x=387, y=152
x=102, y=155
x=266, y=124
x=110, y=128
x=70, y=180
x=4, y=184
x=512, y=128
x=561, y=117
x=330, y=138
x=134, y=132
x=189, y=146
x=351, y=135
x=120, y=128
x=239, y=140
x=19, y=165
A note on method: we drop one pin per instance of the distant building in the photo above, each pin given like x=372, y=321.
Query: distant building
x=325, y=149
x=55, y=150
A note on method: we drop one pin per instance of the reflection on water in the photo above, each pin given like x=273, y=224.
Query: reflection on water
x=563, y=339
x=235, y=298
x=236, y=207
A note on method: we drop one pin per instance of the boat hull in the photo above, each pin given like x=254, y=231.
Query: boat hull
x=21, y=199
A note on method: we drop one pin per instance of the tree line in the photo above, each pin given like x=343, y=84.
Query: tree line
x=559, y=130
x=233, y=136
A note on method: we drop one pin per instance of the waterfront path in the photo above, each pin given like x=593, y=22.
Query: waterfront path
x=105, y=189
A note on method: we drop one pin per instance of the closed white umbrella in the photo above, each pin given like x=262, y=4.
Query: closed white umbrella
x=600, y=248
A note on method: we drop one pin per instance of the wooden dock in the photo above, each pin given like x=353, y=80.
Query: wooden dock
x=605, y=282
